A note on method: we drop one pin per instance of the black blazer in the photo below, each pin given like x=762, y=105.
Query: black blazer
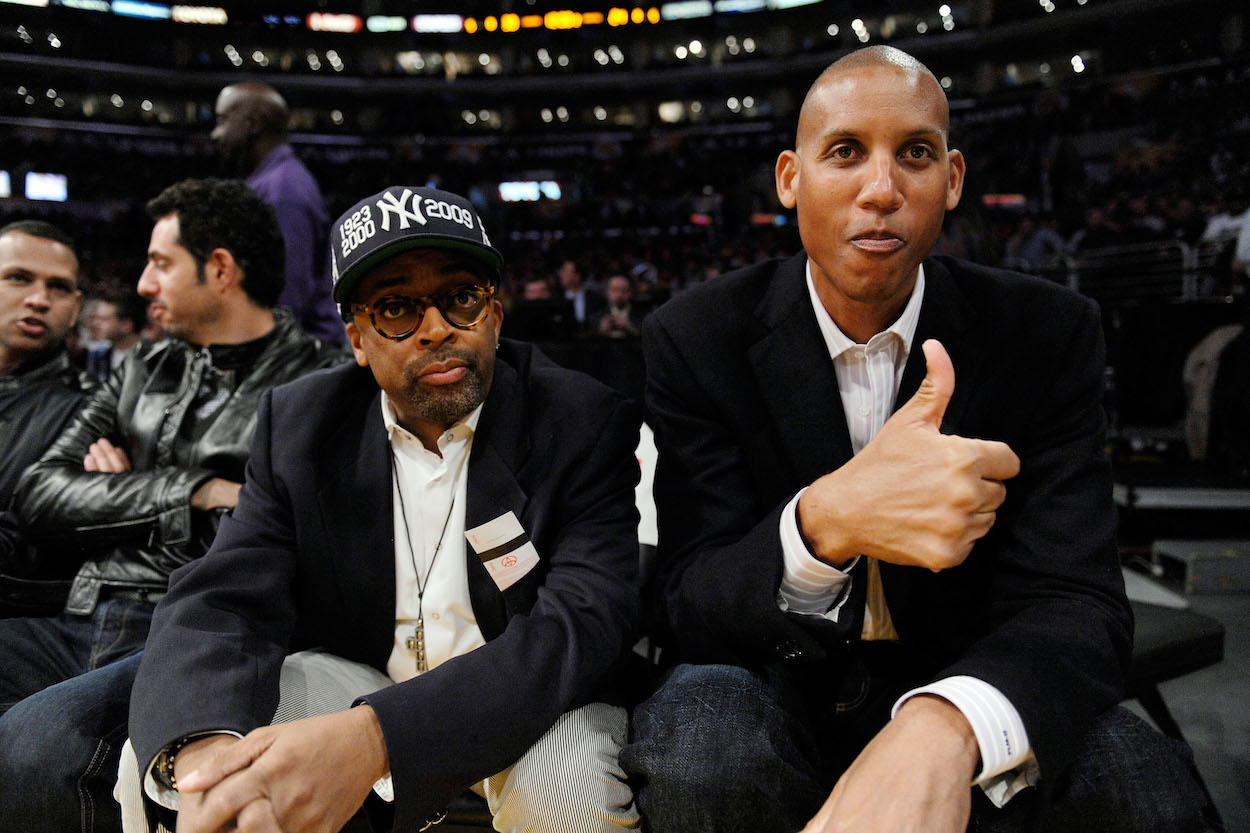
x=744, y=401
x=307, y=559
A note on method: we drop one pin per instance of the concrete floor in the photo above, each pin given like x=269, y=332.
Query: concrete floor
x=1212, y=707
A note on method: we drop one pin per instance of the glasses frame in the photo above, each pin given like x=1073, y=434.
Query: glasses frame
x=425, y=302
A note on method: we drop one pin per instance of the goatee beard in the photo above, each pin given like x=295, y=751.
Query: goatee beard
x=445, y=404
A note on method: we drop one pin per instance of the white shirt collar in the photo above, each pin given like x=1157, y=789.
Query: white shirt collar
x=904, y=327
x=463, y=429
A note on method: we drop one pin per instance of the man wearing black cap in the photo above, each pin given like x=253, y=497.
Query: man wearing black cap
x=451, y=526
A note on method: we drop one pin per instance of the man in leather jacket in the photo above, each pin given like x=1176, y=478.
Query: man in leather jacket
x=39, y=389
x=135, y=488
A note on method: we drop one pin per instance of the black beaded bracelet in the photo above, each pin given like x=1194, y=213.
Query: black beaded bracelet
x=165, y=764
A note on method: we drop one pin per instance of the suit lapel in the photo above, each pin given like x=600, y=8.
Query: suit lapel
x=795, y=376
x=499, y=448
x=359, y=530
x=947, y=315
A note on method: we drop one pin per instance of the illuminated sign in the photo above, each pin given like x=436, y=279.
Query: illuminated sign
x=444, y=23
x=385, y=23
x=686, y=9
x=54, y=187
x=136, y=8
x=209, y=15
x=342, y=23
x=529, y=190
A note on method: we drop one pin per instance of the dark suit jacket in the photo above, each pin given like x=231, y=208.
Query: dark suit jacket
x=307, y=559
x=744, y=401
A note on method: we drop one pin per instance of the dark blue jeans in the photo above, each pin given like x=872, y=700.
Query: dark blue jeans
x=720, y=749
x=64, y=693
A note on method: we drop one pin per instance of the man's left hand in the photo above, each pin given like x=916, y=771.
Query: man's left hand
x=913, y=777
x=105, y=457
x=307, y=776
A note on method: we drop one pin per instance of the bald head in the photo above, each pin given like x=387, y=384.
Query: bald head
x=251, y=121
x=260, y=101
x=914, y=77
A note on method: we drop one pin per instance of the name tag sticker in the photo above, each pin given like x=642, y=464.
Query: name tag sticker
x=504, y=548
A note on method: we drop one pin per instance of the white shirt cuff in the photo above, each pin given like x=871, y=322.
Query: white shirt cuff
x=1007, y=762
x=808, y=585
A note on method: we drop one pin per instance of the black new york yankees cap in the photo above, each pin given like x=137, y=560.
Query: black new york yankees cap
x=400, y=218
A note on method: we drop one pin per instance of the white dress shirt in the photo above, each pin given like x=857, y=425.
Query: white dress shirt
x=434, y=493
x=868, y=379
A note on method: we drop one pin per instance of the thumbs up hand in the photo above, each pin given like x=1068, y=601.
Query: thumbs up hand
x=913, y=495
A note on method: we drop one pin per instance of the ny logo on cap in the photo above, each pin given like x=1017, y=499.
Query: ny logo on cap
x=389, y=205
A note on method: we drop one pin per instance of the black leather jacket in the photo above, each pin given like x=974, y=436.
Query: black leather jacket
x=36, y=404
x=137, y=527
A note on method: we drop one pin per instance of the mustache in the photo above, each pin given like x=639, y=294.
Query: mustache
x=442, y=354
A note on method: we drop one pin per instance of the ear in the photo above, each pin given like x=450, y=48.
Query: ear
x=78, y=297
x=955, y=184
x=496, y=309
x=358, y=350
x=787, y=175
x=226, y=272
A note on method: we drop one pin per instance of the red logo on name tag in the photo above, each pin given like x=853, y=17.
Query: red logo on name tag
x=508, y=561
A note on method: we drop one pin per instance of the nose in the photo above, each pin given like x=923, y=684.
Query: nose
x=147, y=285
x=880, y=191
x=218, y=129
x=38, y=298
x=434, y=330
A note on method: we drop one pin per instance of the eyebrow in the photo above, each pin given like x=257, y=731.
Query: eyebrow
x=849, y=133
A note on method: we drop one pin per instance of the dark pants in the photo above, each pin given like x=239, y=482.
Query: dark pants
x=719, y=749
x=64, y=699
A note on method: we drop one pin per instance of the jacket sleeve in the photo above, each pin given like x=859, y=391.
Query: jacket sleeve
x=60, y=503
x=219, y=636
x=1059, y=635
x=719, y=561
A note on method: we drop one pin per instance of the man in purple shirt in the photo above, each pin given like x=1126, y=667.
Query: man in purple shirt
x=251, y=135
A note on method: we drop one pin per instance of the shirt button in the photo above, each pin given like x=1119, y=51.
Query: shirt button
x=859, y=354
x=434, y=616
x=864, y=412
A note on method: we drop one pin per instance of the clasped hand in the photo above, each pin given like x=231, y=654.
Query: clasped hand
x=913, y=495
x=307, y=776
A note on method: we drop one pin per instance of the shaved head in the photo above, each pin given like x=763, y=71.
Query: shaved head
x=251, y=121
x=913, y=75
x=260, y=100
x=870, y=177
